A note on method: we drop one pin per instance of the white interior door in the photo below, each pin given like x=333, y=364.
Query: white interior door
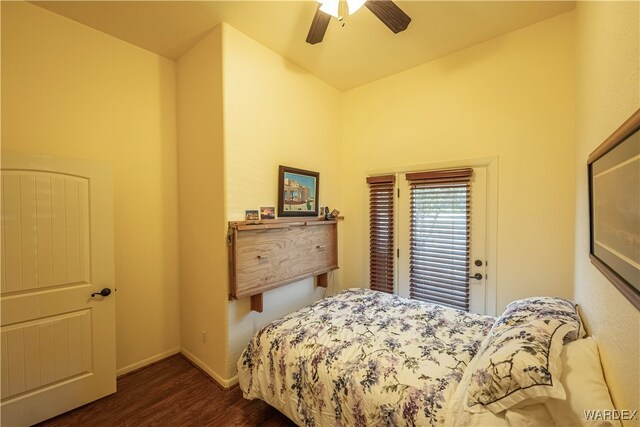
x=58, y=342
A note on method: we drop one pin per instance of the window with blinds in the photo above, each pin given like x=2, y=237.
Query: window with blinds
x=381, y=232
x=439, y=237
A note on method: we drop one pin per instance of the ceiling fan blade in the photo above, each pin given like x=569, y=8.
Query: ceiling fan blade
x=318, y=26
x=390, y=14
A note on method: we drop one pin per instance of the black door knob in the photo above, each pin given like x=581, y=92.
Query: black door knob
x=104, y=292
x=476, y=276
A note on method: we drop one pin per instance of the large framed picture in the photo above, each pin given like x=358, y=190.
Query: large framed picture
x=297, y=192
x=614, y=202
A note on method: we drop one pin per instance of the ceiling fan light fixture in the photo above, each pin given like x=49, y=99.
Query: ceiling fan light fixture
x=330, y=7
x=354, y=5
x=385, y=10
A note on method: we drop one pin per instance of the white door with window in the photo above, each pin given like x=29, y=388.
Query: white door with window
x=447, y=255
x=57, y=290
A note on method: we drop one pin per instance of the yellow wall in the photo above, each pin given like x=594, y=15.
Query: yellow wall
x=203, y=251
x=275, y=114
x=607, y=93
x=71, y=91
x=510, y=97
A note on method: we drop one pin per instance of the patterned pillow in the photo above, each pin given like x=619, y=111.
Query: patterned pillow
x=542, y=308
x=519, y=362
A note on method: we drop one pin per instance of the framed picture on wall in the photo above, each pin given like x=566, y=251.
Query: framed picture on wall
x=297, y=192
x=614, y=204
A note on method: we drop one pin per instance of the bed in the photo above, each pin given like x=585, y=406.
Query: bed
x=364, y=358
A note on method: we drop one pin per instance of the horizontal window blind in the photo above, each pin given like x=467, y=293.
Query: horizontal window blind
x=439, y=237
x=381, y=232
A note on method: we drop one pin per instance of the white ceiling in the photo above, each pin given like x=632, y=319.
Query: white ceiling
x=362, y=51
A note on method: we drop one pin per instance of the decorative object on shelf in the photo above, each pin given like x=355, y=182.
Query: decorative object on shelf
x=614, y=208
x=297, y=192
x=251, y=215
x=330, y=215
x=268, y=212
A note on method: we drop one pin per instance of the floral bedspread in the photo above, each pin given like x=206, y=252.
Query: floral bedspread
x=362, y=358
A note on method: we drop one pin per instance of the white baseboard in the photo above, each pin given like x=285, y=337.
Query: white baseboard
x=233, y=380
x=147, y=361
x=226, y=383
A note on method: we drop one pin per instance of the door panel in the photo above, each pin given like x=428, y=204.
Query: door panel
x=41, y=352
x=58, y=343
x=46, y=230
x=478, y=244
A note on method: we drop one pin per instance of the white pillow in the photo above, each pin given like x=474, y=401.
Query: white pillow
x=457, y=416
x=584, y=385
x=535, y=415
x=519, y=362
x=518, y=365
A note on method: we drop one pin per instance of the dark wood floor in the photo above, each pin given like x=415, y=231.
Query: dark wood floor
x=172, y=393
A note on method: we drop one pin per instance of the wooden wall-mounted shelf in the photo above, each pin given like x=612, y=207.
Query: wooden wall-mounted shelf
x=268, y=254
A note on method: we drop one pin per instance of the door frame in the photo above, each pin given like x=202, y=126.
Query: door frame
x=491, y=165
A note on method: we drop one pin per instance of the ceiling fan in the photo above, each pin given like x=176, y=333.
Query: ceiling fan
x=386, y=11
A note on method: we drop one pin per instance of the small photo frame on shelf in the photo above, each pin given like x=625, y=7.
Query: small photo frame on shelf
x=251, y=215
x=297, y=192
x=268, y=212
